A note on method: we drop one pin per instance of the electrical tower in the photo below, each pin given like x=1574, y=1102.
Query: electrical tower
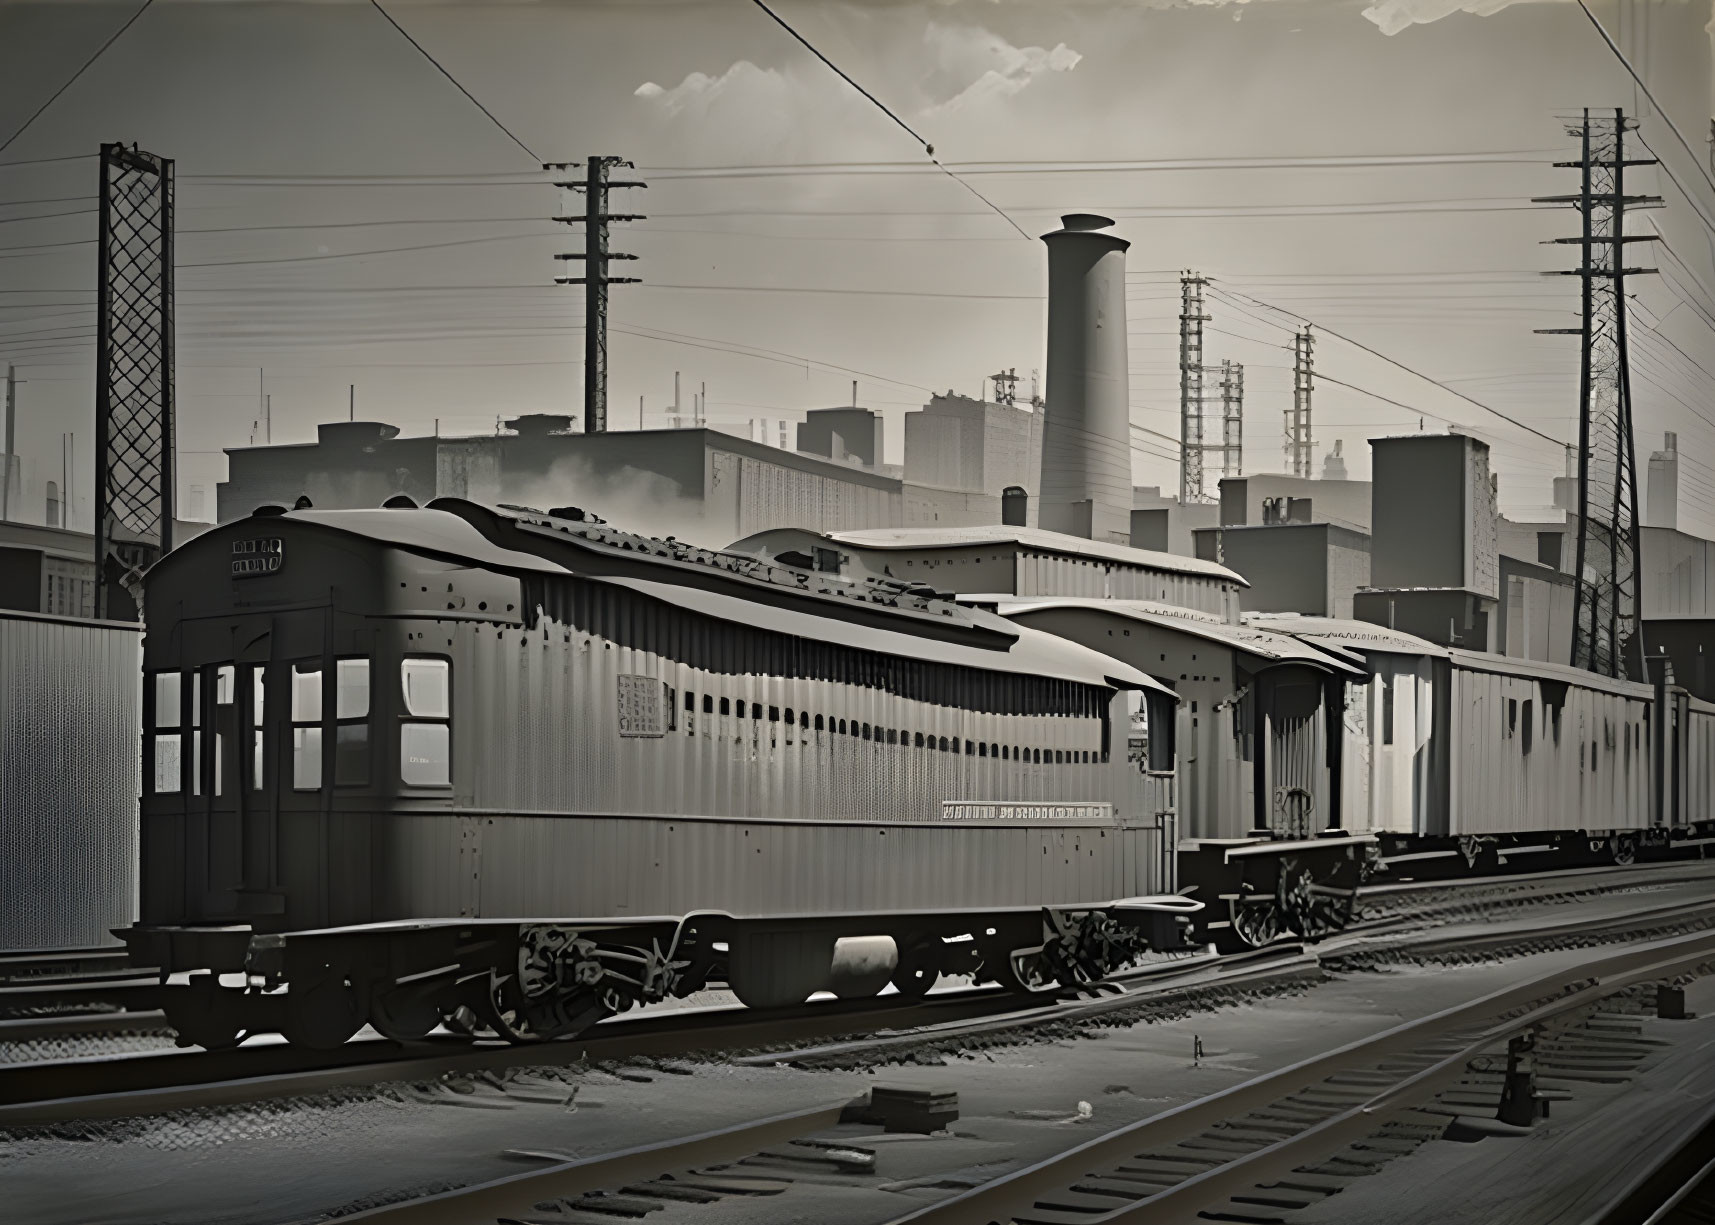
x=1605, y=635
x=595, y=280
x=1299, y=443
x=1191, y=446
x=133, y=373
x=1232, y=418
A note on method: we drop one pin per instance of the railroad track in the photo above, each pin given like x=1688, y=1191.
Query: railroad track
x=1677, y=1190
x=159, y=1081
x=1271, y=1145
x=148, y=1082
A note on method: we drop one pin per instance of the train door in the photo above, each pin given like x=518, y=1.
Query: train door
x=230, y=800
x=1295, y=758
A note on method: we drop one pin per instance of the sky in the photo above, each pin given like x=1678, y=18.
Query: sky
x=347, y=217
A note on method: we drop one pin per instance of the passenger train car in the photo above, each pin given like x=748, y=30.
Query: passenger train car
x=513, y=771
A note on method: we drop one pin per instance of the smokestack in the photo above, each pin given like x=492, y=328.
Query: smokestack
x=1086, y=428
x=1662, y=507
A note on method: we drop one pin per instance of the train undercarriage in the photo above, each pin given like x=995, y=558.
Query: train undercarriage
x=531, y=981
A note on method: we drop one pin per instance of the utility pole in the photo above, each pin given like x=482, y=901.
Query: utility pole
x=1299, y=443
x=1605, y=630
x=1191, y=321
x=1232, y=418
x=595, y=280
x=9, y=456
x=1006, y=387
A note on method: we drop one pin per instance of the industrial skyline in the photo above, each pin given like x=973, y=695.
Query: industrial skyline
x=329, y=207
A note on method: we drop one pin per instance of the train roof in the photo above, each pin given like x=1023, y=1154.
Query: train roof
x=880, y=616
x=1347, y=634
x=1038, y=539
x=1253, y=640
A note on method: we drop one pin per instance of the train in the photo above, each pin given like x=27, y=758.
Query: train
x=508, y=772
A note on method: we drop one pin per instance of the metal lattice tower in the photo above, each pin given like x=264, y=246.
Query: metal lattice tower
x=1605, y=636
x=1299, y=442
x=1191, y=445
x=1232, y=418
x=134, y=369
x=595, y=280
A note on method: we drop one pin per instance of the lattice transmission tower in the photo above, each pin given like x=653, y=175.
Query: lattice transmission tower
x=133, y=373
x=1605, y=635
x=1299, y=442
x=595, y=186
x=1232, y=418
x=1191, y=447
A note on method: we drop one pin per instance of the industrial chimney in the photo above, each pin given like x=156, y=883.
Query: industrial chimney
x=1086, y=427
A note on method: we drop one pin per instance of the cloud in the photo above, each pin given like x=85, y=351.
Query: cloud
x=699, y=91
x=1392, y=16
x=973, y=65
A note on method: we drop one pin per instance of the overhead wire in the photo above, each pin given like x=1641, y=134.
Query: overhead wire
x=404, y=33
x=928, y=149
x=70, y=81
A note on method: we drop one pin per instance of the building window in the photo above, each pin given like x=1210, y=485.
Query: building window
x=425, y=738
x=167, y=718
x=306, y=727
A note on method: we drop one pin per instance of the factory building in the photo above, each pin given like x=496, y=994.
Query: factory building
x=698, y=484
x=957, y=442
x=1435, y=553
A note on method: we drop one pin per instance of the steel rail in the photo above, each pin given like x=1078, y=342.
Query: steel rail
x=1666, y=1183
x=151, y=1083
x=1578, y=986
x=1647, y=873
x=519, y=1193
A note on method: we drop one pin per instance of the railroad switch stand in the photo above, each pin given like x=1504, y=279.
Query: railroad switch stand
x=1521, y=1106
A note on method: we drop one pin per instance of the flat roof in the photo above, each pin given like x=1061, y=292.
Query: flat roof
x=1036, y=539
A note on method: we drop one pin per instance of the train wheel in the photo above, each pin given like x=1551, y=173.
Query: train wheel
x=1023, y=971
x=1623, y=848
x=322, y=1012
x=403, y=1015
x=1257, y=921
x=918, y=968
x=204, y=1014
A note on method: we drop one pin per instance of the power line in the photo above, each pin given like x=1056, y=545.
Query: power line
x=1665, y=117
x=449, y=76
x=72, y=80
x=1401, y=365
x=928, y=149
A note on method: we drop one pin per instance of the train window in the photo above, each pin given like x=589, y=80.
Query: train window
x=969, y=748
x=918, y=742
x=774, y=715
x=425, y=748
x=351, y=688
x=893, y=735
x=690, y=700
x=737, y=708
x=425, y=754
x=726, y=706
x=804, y=719
x=1387, y=709
x=168, y=748
x=223, y=684
x=427, y=690
x=351, y=754
x=168, y=686
x=842, y=727
x=708, y=704
x=1527, y=724
x=306, y=693
x=258, y=695
x=306, y=727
